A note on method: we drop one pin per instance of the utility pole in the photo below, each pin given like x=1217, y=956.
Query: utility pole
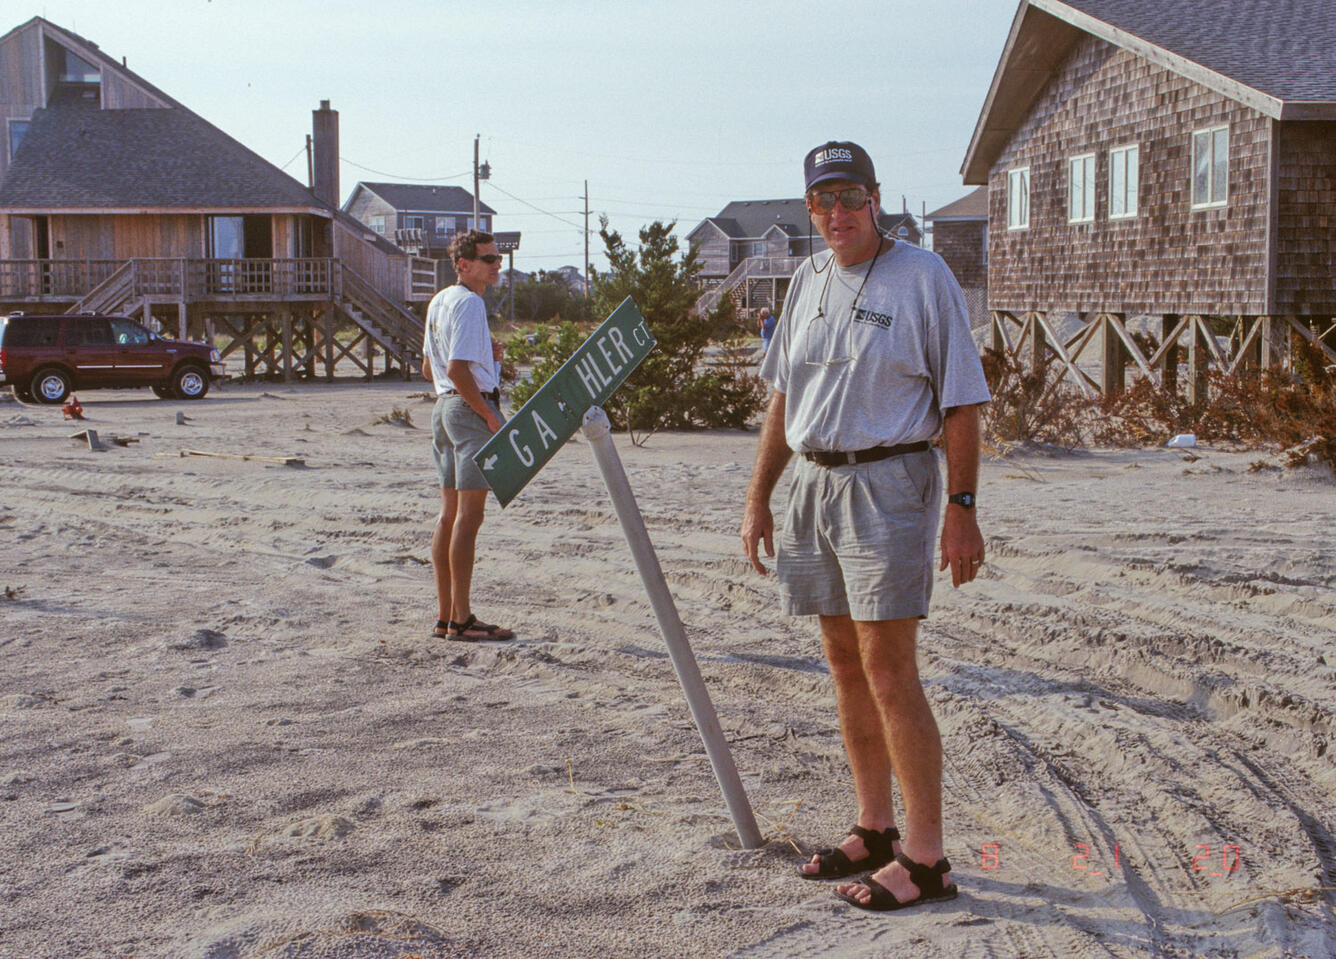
x=475, y=182
x=588, y=283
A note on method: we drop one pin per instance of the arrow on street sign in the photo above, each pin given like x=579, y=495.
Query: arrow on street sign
x=541, y=426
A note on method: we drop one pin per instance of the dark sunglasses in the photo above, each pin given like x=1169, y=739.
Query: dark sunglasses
x=852, y=198
x=489, y=258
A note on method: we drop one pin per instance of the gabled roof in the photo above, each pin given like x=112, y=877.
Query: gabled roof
x=971, y=206
x=425, y=197
x=1275, y=56
x=752, y=219
x=77, y=156
x=80, y=157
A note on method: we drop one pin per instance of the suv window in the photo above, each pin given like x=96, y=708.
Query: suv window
x=89, y=331
x=129, y=333
x=29, y=331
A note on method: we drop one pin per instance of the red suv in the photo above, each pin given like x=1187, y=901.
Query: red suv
x=45, y=357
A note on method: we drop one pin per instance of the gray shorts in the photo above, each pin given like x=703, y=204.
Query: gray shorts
x=859, y=540
x=457, y=434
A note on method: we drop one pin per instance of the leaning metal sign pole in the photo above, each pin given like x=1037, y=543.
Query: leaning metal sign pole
x=599, y=433
x=571, y=398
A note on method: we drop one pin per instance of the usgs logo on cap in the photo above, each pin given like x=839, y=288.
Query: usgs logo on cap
x=833, y=155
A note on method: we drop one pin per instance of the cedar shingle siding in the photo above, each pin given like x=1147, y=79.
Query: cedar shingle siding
x=959, y=244
x=1169, y=258
x=1306, y=206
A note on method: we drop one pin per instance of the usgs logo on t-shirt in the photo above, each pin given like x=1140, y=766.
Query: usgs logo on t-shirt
x=833, y=155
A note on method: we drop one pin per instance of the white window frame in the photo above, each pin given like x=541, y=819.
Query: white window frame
x=377, y=223
x=1210, y=202
x=1088, y=167
x=1015, y=219
x=1128, y=158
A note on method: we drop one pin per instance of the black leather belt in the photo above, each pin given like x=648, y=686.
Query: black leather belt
x=493, y=395
x=869, y=455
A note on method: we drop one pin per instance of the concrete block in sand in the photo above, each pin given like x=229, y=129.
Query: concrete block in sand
x=175, y=804
x=198, y=639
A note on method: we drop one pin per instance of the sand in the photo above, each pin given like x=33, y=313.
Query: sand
x=225, y=733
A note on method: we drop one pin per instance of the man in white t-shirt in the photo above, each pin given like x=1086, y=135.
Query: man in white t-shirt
x=872, y=359
x=460, y=357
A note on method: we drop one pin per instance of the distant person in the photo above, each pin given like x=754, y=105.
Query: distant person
x=767, y=329
x=872, y=360
x=460, y=357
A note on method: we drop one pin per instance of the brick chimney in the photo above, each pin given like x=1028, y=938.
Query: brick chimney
x=325, y=149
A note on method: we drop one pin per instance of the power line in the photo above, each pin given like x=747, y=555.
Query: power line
x=398, y=176
x=578, y=226
x=300, y=151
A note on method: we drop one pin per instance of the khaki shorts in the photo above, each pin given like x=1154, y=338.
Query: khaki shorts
x=859, y=540
x=457, y=434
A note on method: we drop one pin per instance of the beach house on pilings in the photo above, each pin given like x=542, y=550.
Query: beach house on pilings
x=115, y=198
x=1173, y=160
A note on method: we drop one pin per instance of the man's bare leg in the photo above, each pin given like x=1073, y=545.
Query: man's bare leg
x=889, y=654
x=861, y=727
x=440, y=554
x=463, y=539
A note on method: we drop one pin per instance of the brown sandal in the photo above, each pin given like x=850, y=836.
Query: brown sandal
x=472, y=630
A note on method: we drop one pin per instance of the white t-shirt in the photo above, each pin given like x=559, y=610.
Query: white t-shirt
x=457, y=329
x=876, y=367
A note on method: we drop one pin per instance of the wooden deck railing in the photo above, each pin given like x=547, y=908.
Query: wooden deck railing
x=169, y=278
x=54, y=279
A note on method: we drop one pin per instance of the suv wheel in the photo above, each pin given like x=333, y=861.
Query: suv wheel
x=23, y=395
x=190, y=383
x=163, y=392
x=50, y=385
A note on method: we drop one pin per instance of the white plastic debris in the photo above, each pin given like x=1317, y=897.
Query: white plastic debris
x=1183, y=441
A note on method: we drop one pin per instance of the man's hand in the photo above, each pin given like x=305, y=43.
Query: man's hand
x=494, y=422
x=758, y=526
x=962, y=544
x=498, y=350
x=426, y=368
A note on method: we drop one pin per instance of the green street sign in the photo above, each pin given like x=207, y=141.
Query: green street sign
x=541, y=426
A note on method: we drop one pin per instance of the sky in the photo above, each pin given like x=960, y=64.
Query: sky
x=668, y=110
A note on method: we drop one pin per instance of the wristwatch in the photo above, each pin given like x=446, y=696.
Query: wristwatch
x=962, y=499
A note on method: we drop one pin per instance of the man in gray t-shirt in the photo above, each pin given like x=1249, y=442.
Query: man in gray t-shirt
x=871, y=361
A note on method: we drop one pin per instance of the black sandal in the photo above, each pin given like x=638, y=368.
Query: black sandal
x=834, y=863
x=927, y=878
x=444, y=628
x=472, y=630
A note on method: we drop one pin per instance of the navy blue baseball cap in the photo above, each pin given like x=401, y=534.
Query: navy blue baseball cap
x=839, y=160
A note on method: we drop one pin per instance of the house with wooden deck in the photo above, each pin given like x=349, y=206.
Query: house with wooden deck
x=1172, y=160
x=116, y=198
x=750, y=249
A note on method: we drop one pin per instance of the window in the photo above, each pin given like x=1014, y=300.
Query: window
x=1018, y=199
x=129, y=333
x=414, y=223
x=1210, y=167
x=17, y=128
x=1123, y=181
x=1081, y=189
x=378, y=224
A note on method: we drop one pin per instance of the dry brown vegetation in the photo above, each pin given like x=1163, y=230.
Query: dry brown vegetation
x=1291, y=410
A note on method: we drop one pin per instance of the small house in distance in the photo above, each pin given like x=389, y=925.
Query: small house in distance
x=1173, y=160
x=750, y=249
x=960, y=237
x=418, y=218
